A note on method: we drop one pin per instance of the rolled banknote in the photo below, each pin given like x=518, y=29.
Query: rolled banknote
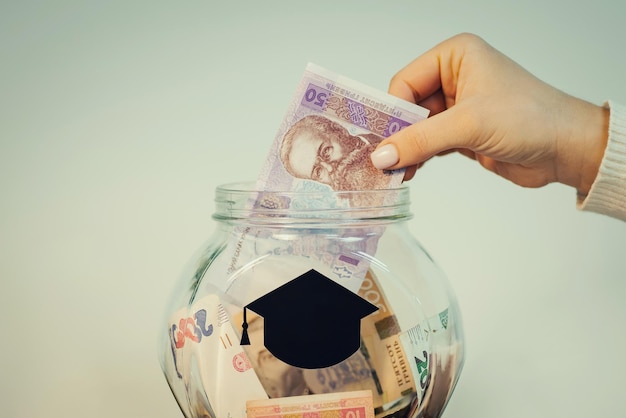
x=357, y=404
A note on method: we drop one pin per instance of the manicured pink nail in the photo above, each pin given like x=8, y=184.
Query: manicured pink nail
x=385, y=157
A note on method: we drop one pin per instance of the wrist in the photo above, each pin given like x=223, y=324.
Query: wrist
x=588, y=134
x=595, y=144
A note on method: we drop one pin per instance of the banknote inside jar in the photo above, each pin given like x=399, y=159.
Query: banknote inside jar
x=398, y=370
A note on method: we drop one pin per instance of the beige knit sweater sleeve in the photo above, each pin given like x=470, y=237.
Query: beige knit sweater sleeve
x=608, y=192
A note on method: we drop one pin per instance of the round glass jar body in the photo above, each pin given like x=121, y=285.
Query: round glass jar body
x=310, y=303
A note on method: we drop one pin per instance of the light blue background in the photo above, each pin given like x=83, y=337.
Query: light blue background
x=118, y=119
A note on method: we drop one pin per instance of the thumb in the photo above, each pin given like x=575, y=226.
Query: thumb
x=417, y=143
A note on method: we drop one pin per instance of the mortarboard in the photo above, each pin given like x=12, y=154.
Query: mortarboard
x=311, y=321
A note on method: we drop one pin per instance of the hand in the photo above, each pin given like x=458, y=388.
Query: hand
x=487, y=107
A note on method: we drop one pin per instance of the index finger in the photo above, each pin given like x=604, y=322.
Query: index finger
x=436, y=69
x=418, y=80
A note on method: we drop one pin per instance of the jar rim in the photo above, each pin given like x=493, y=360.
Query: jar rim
x=251, y=186
x=244, y=200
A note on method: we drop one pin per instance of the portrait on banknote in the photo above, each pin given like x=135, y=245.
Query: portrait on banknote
x=325, y=140
x=320, y=149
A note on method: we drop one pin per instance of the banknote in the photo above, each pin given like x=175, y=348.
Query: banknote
x=323, y=146
x=219, y=375
x=210, y=362
x=328, y=133
x=442, y=378
x=381, y=365
x=382, y=352
x=357, y=404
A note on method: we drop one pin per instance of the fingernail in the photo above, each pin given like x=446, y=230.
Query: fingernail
x=385, y=157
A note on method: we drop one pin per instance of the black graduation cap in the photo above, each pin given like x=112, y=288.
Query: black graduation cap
x=311, y=321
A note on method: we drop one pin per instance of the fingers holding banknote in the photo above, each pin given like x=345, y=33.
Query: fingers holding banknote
x=487, y=107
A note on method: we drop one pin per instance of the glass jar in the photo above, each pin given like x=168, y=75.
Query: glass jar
x=302, y=301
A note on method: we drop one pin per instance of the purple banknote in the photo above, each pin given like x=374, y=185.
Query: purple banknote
x=328, y=133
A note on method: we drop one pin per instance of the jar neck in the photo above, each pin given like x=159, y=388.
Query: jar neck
x=240, y=202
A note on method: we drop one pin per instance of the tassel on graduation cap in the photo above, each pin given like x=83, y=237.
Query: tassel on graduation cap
x=245, y=340
x=310, y=322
